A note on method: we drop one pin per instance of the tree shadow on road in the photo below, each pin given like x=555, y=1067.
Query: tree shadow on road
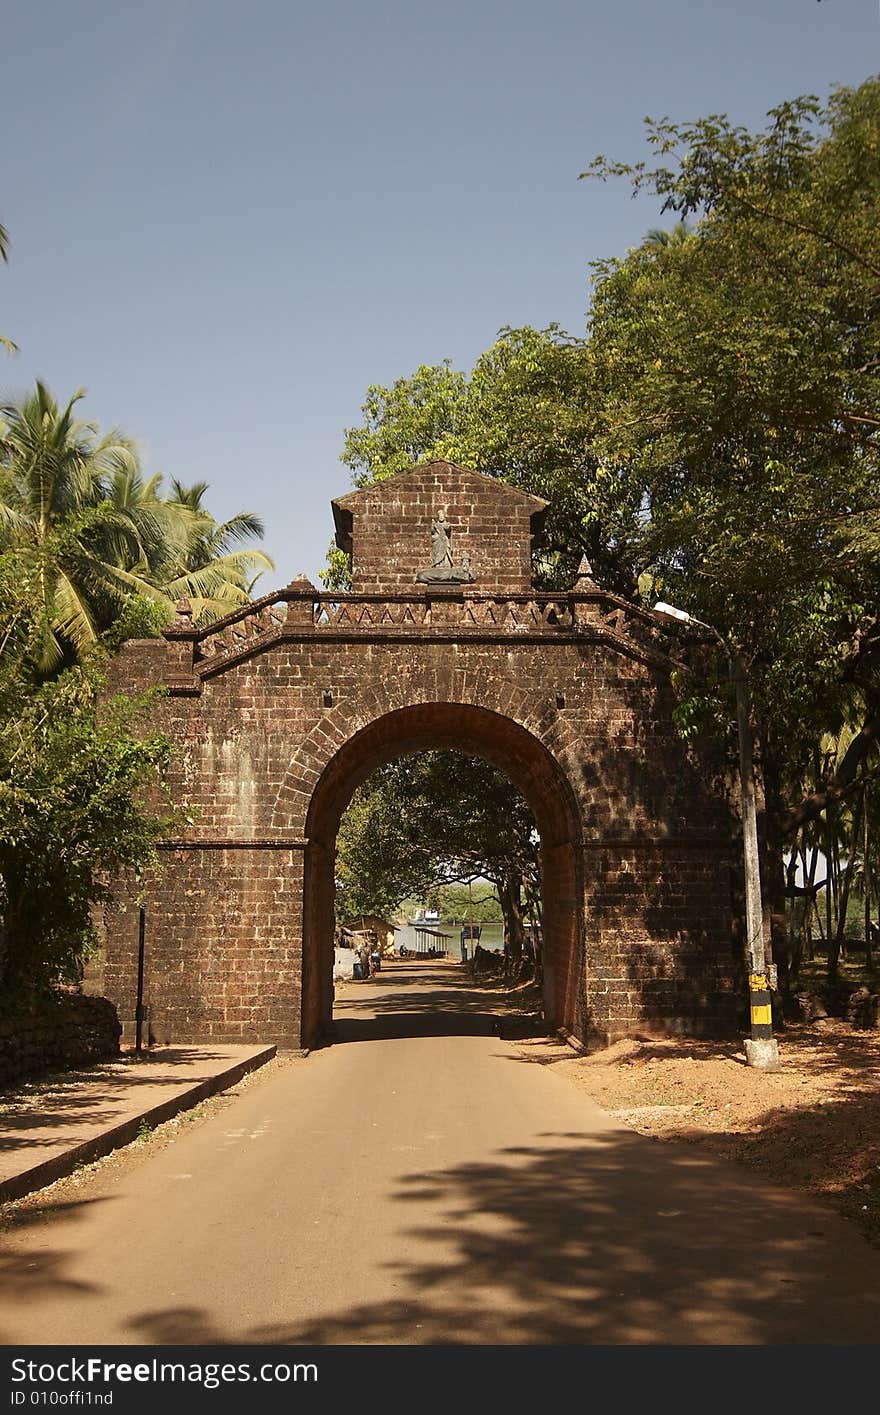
x=557, y=1246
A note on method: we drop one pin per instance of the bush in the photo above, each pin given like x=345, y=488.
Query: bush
x=75, y=788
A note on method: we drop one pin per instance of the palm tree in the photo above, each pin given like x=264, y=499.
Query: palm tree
x=179, y=549
x=4, y=256
x=57, y=527
x=81, y=531
x=662, y=239
x=215, y=577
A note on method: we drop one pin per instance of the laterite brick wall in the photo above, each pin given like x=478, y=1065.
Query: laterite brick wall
x=62, y=1033
x=486, y=518
x=273, y=733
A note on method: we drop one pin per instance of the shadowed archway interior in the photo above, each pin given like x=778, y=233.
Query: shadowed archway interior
x=474, y=731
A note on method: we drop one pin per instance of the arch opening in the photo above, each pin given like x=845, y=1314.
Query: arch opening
x=472, y=732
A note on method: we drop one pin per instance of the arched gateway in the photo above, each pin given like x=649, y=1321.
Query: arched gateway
x=281, y=709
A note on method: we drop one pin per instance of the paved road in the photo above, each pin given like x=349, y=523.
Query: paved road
x=424, y=1181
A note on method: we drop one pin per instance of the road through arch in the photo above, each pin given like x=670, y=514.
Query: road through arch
x=478, y=732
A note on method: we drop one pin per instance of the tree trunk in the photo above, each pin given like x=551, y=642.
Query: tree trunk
x=837, y=949
x=533, y=914
x=813, y=910
x=510, y=896
x=829, y=875
x=804, y=944
x=793, y=930
x=538, y=940
x=866, y=866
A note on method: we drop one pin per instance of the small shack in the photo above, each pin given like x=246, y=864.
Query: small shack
x=372, y=923
x=431, y=943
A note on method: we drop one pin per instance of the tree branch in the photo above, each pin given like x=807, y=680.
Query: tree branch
x=842, y=782
x=805, y=230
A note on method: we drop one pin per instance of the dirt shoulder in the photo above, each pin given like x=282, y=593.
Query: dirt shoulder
x=813, y=1126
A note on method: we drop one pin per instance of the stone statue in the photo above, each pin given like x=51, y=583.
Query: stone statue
x=442, y=570
x=441, y=552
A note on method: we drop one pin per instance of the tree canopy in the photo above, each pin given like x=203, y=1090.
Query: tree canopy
x=4, y=256
x=711, y=437
x=80, y=801
x=740, y=373
x=525, y=414
x=433, y=819
x=91, y=553
x=83, y=532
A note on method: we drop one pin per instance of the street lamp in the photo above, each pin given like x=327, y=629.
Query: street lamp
x=761, y=1048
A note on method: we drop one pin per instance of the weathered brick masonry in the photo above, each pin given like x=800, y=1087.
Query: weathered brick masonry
x=56, y=1034
x=279, y=711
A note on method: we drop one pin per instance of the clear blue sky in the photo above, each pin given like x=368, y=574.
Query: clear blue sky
x=227, y=220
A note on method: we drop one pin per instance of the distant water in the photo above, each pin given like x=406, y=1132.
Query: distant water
x=491, y=938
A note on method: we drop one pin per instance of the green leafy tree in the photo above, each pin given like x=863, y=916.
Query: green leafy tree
x=4, y=256
x=78, y=792
x=659, y=236
x=214, y=575
x=741, y=375
x=56, y=521
x=179, y=550
x=474, y=899
x=526, y=414
x=87, y=532
x=426, y=821
x=740, y=370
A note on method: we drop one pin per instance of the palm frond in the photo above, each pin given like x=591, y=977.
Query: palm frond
x=72, y=615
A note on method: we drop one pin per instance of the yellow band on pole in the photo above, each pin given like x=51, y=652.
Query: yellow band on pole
x=762, y=1015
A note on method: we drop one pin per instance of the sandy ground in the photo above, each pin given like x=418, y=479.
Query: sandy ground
x=813, y=1126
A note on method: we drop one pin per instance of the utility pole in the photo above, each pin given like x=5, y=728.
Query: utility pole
x=139, y=1005
x=761, y=1047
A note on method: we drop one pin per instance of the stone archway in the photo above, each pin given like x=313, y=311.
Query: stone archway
x=278, y=710
x=475, y=731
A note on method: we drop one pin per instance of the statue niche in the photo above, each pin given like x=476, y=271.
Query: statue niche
x=442, y=570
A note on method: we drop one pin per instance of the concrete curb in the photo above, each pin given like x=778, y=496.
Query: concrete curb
x=59, y=1166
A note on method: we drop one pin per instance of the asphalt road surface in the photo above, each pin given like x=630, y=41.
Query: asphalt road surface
x=424, y=1181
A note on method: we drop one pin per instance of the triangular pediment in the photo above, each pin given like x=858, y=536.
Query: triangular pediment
x=478, y=482
x=389, y=529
